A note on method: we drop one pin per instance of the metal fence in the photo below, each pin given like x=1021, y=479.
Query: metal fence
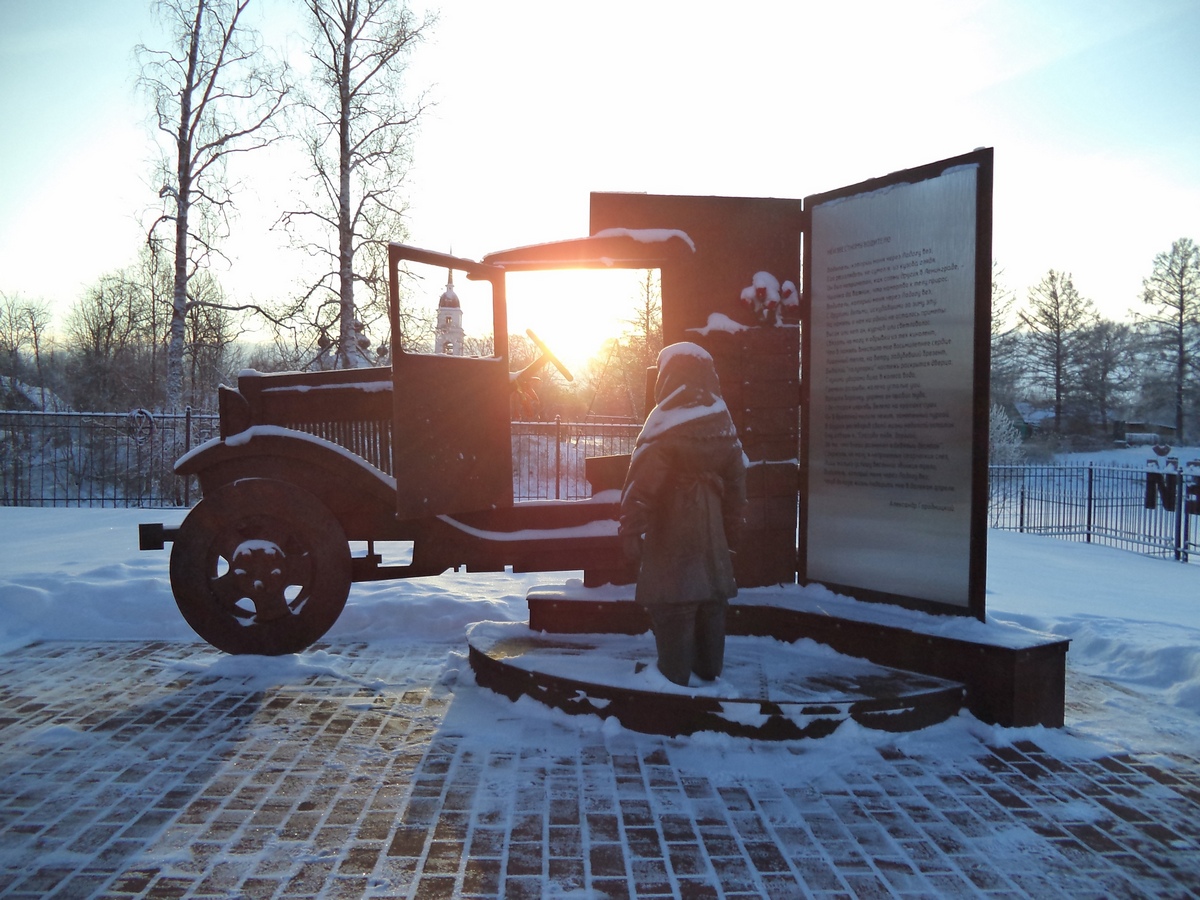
x=1152, y=512
x=98, y=459
x=549, y=457
x=127, y=459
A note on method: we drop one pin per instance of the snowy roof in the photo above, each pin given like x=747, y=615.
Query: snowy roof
x=17, y=395
x=612, y=248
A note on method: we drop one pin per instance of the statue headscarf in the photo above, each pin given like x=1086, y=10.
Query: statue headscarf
x=687, y=397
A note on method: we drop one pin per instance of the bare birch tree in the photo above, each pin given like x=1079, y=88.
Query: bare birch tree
x=108, y=334
x=358, y=134
x=616, y=377
x=214, y=96
x=19, y=322
x=24, y=325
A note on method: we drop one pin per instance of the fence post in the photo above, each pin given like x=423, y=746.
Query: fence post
x=1090, y=496
x=187, y=445
x=557, y=454
x=1180, y=512
x=1021, y=509
x=1187, y=524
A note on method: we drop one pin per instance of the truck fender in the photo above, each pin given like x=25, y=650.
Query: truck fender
x=359, y=495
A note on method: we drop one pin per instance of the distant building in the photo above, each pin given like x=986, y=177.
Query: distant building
x=449, y=335
x=1143, y=433
x=1032, y=419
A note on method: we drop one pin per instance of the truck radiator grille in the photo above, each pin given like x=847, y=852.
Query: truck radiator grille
x=370, y=439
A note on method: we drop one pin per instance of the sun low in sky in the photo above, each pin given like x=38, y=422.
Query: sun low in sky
x=574, y=312
x=1089, y=106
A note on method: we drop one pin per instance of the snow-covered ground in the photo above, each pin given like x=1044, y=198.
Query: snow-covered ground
x=1134, y=457
x=1133, y=622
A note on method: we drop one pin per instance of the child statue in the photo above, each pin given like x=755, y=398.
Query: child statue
x=682, y=507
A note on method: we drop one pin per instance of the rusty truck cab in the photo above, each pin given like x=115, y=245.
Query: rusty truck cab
x=451, y=414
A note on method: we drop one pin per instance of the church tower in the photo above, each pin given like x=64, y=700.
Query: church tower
x=449, y=337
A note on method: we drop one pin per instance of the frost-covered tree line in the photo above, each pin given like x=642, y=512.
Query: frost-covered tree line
x=109, y=354
x=330, y=97
x=338, y=112
x=1061, y=372
x=1068, y=376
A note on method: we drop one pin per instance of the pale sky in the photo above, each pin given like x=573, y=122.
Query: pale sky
x=1093, y=108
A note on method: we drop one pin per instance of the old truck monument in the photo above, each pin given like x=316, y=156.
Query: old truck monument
x=850, y=330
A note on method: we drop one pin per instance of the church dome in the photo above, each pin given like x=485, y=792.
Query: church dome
x=449, y=299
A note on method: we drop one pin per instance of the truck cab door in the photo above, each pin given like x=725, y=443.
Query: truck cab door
x=451, y=438
x=452, y=445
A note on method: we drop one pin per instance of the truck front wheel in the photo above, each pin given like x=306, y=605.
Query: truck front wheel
x=260, y=566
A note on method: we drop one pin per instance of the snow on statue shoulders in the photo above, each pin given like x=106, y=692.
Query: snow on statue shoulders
x=667, y=419
x=687, y=390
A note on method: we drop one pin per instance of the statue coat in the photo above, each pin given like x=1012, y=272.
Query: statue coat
x=685, y=493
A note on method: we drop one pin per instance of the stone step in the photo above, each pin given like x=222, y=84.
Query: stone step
x=1013, y=676
x=770, y=690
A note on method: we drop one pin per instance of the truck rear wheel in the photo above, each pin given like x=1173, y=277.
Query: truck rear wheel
x=260, y=566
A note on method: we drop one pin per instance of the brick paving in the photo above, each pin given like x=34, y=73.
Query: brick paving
x=168, y=770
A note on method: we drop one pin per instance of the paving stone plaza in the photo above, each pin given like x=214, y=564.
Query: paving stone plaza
x=167, y=770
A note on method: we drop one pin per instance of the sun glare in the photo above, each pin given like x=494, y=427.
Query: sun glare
x=573, y=312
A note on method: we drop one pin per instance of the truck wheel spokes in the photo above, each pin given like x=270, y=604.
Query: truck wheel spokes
x=260, y=567
x=258, y=581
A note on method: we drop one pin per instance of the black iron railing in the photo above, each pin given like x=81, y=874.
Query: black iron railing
x=98, y=459
x=1155, y=510
x=549, y=457
x=127, y=459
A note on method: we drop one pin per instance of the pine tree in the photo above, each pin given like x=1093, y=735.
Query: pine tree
x=1055, y=320
x=1173, y=328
